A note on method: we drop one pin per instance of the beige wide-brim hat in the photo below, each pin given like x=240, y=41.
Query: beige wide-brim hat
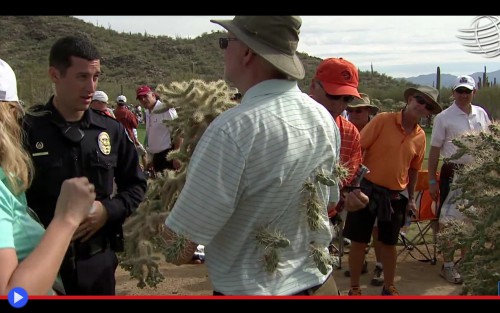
x=274, y=38
x=429, y=93
x=364, y=102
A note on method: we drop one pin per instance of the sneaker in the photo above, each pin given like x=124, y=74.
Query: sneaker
x=391, y=291
x=451, y=275
x=378, y=276
x=354, y=291
x=364, y=270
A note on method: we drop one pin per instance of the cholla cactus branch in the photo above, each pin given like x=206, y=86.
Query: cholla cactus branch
x=480, y=185
x=197, y=104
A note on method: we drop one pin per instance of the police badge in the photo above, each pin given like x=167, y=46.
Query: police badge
x=104, y=143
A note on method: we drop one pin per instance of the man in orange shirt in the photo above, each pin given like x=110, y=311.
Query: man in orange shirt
x=394, y=148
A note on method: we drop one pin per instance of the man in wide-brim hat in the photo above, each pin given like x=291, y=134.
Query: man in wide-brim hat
x=363, y=103
x=244, y=197
x=428, y=93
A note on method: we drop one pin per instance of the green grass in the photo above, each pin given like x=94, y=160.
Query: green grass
x=141, y=132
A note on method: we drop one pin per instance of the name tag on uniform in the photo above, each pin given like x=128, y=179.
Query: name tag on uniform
x=40, y=153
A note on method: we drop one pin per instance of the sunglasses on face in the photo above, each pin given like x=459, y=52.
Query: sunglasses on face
x=346, y=99
x=224, y=42
x=422, y=101
x=463, y=90
x=354, y=110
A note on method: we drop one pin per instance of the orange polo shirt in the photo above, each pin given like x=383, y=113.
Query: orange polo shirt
x=390, y=152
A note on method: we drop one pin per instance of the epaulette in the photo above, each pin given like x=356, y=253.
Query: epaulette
x=103, y=113
x=36, y=108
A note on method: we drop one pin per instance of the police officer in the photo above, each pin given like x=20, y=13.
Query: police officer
x=67, y=139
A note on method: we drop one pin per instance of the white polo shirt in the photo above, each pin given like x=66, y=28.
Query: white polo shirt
x=158, y=133
x=453, y=122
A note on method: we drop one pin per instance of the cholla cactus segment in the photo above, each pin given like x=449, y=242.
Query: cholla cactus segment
x=175, y=248
x=322, y=258
x=314, y=211
x=328, y=180
x=479, y=182
x=271, y=238
x=340, y=173
x=271, y=260
x=309, y=187
x=197, y=104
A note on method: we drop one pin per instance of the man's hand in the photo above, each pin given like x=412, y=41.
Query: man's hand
x=355, y=200
x=173, y=255
x=434, y=192
x=95, y=220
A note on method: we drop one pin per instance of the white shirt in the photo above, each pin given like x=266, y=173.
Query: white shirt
x=453, y=122
x=247, y=172
x=157, y=132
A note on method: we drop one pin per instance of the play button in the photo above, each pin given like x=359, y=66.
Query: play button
x=18, y=297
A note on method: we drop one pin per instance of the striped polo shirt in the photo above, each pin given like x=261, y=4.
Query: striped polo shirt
x=248, y=173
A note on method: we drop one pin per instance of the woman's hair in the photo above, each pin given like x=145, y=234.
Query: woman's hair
x=14, y=159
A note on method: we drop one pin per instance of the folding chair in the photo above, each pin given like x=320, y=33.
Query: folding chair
x=418, y=245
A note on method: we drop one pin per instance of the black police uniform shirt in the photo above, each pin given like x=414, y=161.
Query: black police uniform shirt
x=96, y=147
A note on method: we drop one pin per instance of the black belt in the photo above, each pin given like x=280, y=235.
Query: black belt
x=84, y=250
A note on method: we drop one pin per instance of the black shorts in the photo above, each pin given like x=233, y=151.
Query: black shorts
x=160, y=162
x=359, y=225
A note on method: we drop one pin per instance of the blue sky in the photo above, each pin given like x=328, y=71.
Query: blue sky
x=398, y=46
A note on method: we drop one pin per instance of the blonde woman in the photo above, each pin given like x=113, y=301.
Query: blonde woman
x=30, y=256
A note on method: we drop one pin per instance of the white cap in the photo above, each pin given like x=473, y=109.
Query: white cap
x=8, y=84
x=464, y=81
x=121, y=99
x=100, y=96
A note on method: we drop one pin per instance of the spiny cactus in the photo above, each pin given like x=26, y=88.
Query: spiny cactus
x=197, y=104
x=322, y=258
x=271, y=241
x=479, y=182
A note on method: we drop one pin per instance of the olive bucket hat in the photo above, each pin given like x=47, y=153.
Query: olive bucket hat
x=363, y=102
x=429, y=93
x=274, y=38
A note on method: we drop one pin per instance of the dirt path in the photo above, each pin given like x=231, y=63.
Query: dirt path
x=412, y=278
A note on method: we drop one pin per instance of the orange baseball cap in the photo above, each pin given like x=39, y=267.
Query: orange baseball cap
x=338, y=77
